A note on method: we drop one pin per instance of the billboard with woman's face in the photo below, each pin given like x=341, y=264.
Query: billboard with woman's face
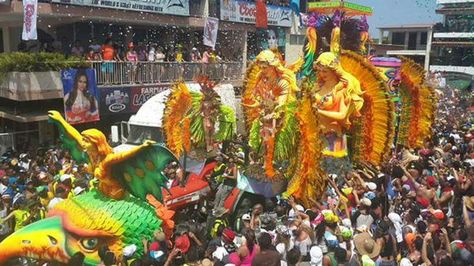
x=80, y=96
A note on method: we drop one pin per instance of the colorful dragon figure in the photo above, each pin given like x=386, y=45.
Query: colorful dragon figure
x=121, y=212
x=269, y=103
x=190, y=118
x=419, y=102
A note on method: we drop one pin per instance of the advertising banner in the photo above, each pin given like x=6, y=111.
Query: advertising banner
x=173, y=7
x=30, y=14
x=126, y=100
x=210, y=32
x=80, y=95
x=245, y=12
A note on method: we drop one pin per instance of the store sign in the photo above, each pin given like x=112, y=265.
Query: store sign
x=141, y=94
x=173, y=7
x=244, y=12
x=126, y=100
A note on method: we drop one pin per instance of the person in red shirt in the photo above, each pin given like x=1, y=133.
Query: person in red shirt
x=108, y=55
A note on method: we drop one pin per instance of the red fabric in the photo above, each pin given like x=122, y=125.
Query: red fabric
x=182, y=243
x=423, y=202
x=108, y=52
x=261, y=19
x=155, y=246
x=228, y=235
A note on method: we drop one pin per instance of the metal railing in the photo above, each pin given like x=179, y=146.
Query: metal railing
x=113, y=72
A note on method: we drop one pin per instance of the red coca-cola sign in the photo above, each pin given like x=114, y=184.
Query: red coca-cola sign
x=247, y=10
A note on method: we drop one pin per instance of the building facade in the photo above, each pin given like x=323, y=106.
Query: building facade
x=26, y=97
x=413, y=41
x=453, y=45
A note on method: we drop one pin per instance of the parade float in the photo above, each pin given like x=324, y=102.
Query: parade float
x=336, y=115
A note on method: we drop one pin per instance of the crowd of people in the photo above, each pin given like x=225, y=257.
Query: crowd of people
x=417, y=209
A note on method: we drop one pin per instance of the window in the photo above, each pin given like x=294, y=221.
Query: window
x=297, y=39
x=398, y=38
x=423, y=38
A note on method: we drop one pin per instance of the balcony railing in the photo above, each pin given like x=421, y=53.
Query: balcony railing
x=117, y=73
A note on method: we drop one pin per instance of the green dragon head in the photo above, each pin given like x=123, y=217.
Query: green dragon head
x=84, y=224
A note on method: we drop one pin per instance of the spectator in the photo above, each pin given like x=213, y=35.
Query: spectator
x=268, y=256
x=77, y=49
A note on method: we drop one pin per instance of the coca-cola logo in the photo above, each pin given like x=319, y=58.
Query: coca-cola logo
x=28, y=20
x=246, y=10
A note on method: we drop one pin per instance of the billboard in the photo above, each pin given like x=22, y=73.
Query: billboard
x=172, y=7
x=244, y=12
x=126, y=100
x=80, y=95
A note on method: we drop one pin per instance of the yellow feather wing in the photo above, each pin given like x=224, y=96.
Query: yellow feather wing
x=175, y=124
x=372, y=133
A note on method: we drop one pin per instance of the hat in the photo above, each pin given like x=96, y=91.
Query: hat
x=330, y=217
x=228, y=235
x=365, y=202
x=78, y=190
x=346, y=233
x=469, y=202
x=371, y=185
x=366, y=245
x=438, y=214
x=128, y=251
x=41, y=189
x=14, y=161
x=182, y=243
x=64, y=177
x=370, y=195
x=246, y=217
x=292, y=214
x=316, y=254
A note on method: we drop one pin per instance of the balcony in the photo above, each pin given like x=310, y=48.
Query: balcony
x=119, y=73
x=46, y=85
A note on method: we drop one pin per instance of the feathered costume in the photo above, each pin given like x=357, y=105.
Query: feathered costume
x=269, y=102
x=123, y=211
x=190, y=117
x=418, y=105
x=370, y=126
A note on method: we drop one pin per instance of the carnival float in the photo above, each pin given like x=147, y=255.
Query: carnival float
x=327, y=113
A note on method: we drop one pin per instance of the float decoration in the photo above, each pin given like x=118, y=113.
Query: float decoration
x=191, y=117
x=116, y=215
x=269, y=103
x=418, y=105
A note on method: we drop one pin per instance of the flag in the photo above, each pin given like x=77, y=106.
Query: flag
x=295, y=6
x=261, y=19
x=30, y=14
x=210, y=32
